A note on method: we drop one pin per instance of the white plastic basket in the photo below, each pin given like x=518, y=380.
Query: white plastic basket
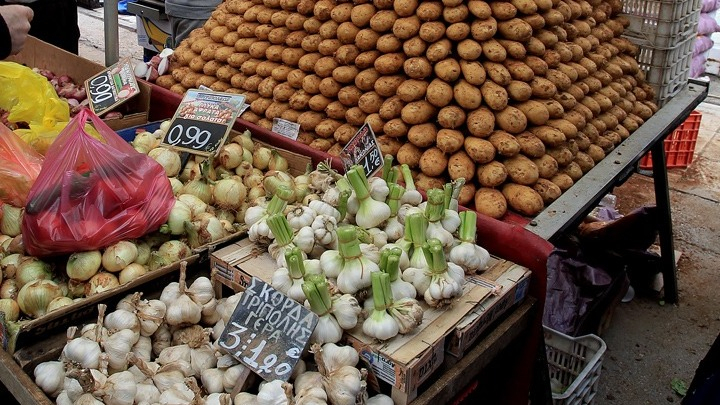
x=574, y=364
x=663, y=23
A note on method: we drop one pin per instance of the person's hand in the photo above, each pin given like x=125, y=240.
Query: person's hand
x=18, y=20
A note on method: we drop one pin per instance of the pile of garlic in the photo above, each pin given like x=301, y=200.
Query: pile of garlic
x=165, y=351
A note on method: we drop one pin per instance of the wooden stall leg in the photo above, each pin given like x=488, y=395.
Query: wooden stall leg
x=662, y=200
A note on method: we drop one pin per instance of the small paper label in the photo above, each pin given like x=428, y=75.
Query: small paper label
x=286, y=128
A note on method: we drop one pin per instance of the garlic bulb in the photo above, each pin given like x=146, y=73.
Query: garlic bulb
x=212, y=380
x=72, y=388
x=231, y=377
x=161, y=339
x=201, y=290
x=379, y=399
x=121, y=319
x=182, y=310
x=342, y=381
x=309, y=389
x=50, y=377
x=117, y=346
x=146, y=394
x=226, y=361
x=218, y=329
x=203, y=358
x=245, y=398
x=151, y=314
x=63, y=399
x=143, y=348
x=218, y=399
x=82, y=351
x=229, y=307
x=334, y=356
x=209, y=312
x=177, y=394
x=87, y=399
x=119, y=389
x=275, y=392
x=174, y=354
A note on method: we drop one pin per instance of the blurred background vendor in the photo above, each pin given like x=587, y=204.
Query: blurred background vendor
x=186, y=15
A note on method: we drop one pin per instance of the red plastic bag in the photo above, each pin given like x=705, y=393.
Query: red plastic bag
x=19, y=167
x=91, y=194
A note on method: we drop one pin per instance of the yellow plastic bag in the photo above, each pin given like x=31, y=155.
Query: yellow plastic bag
x=31, y=99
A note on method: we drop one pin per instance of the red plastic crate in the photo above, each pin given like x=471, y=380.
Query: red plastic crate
x=679, y=146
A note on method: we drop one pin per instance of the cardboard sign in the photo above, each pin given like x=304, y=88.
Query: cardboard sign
x=286, y=128
x=363, y=150
x=112, y=87
x=268, y=331
x=202, y=121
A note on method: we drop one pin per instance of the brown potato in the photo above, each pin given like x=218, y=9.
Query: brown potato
x=480, y=150
x=561, y=154
x=596, y=153
x=329, y=87
x=491, y=174
x=495, y=97
x=325, y=66
x=386, y=86
x=311, y=84
x=530, y=145
x=336, y=111
x=523, y=199
x=473, y=72
x=519, y=91
x=469, y=50
x=548, y=135
x=563, y=181
x=493, y=51
x=451, y=117
x=418, y=112
x=564, y=126
x=417, y=67
x=394, y=128
x=497, y=73
x=503, y=10
x=370, y=102
x=490, y=202
x=431, y=31
x=367, y=59
x=466, y=95
x=584, y=161
x=515, y=29
x=573, y=170
x=328, y=47
x=344, y=133
x=423, y=135
x=449, y=140
x=346, y=54
x=389, y=64
x=535, y=112
x=345, y=74
x=547, y=166
x=521, y=170
x=505, y=144
x=414, y=47
x=511, y=120
x=433, y=162
x=439, y=93
x=479, y=9
x=519, y=70
x=349, y=96
x=407, y=27
x=481, y=122
x=483, y=30
x=535, y=20
x=460, y=166
x=448, y=70
x=548, y=190
x=538, y=66
x=412, y=90
x=409, y=154
x=391, y=108
x=554, y=108
x=543, y=88
x=515, y=49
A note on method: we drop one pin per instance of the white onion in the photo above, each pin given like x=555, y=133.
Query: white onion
x=30, y=269
x=169, y=160
x=34, y=297
x=59, y=302
x=10, y=308
x=195, y=204
x=179, y=213
x=119, y=256
x=229, y=193
x=131, y=272
x=176, y=185
x=174, y=250
x=101, y=282
x=10, y=220
x=83, y=265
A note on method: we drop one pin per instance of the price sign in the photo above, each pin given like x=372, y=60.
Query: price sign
x=268, y=331
x=112, y=87
x=202, y=121
x=363, y=150
x=286, y=128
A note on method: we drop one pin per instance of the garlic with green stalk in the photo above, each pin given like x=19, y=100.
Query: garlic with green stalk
x=300, y=216
x=440, y=281
x=394, y=230
x=437, y=214
x=82, y=266
x=323, y=208
x=411, y=196
x=283, y=238
x=342, y=381
x=256, y=217
x=416, y=226
x=380, y=325
x=289, y=280
x=371, y=213
x=379, y=189
x=468, y=255
x=348, y=264
x=335, y=314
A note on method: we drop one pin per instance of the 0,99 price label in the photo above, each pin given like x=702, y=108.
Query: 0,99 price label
x=112, y=87
x=202, y=121
x=268, y=331
x=363, y=150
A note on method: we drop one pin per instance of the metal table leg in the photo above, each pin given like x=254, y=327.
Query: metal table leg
x=662, y=200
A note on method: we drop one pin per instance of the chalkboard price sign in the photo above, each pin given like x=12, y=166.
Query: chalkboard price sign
x=363, y=150
x=112, y=87
x=203, y=121
x=268, y=331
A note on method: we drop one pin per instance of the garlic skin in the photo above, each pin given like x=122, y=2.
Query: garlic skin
x=201, y=291
x=209, y=313
x=161, y=339
x=143, y=348
x=309, y=389
x=334, y=357
x=121, y=319
x=177, y=394
x=117, y=346
x=50, y=377
x=245, y=398
x=72, y=389
x=218, y=399
x=174, y=354
x=119, y=389
x=212, y=380
x=87, y=399
x=150, y=314
x=343, y=385
x=63, y=399
x=346, y=310
x=231, y=376
x=275, y=392
x=327, y=330
x=82, y=351
x=146, y=394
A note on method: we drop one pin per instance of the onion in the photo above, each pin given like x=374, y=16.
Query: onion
x=119, y=256
x=16, y=245
x=174, y=250
x=143, y=256
x=168, y=159
x=176, y=185
x=9, y=264
x=83, y=265
x=59, y=302
x=148, y=140
x=225, y=215
x=244, y=169
x=277, y=162
x=10, y=308
x=10, y=220
x=229, y=193
x=9, y=289
x=35, y=297
x=76, y=289
x=190, y=171
x=275, y=179
x=256, y=192
x=31, y=269
x=195, y=204
x=131, y=272
x=3, y=238
x=254, y=178
x=199, y=188
x=101, y=282
x=179, y=213
x=231, y=155
x=261, y=157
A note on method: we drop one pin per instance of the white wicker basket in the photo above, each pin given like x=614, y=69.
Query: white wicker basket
x=574, y=364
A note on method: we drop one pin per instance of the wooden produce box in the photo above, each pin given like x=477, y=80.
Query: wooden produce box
x=84, y=309
x=406, y=361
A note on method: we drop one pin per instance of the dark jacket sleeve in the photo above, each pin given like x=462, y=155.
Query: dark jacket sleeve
x=5, y=40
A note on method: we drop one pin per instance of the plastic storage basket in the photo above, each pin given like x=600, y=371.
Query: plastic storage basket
x=662, y=22
x=680, y=145
x=574, y=364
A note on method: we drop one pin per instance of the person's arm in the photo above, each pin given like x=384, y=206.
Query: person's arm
x=14, y=28
x=5, y=39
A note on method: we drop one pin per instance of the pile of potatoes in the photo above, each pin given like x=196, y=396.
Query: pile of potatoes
x=520, y=98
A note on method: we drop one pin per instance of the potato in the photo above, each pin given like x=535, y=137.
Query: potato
x=418, y=112
x=346, y=33
x=491, y=174
x=414, y=47
x=389, y=64
x=449, y=140
x=370, y=102
x=502, y=10
x=329, y=87
x=308, y=61
x=596, y=153
x=431, y=31
x=328, y=47
x=543, y=88
x=349, y=96
x=433, y=162
x=295, y=21
x=391, y=108
x=394, y=128
x=311, y=84
x=282, y=92
x=448, y=70
x=568, y=129
x=479, y=9
x=344, y=133
x=423, y=135
x=493, y=51
x=466, y=95
x=525, y=6
x=514, y=49
x=406, y=28
x=266, y=87
x=291, y=56
x=460, y=166
x=554, y=108
x=166, y=81
x=218, y=33
x=519, y=91
x=409, y=154
x=335, y=110
x=519, y=70
x=497, y=73
x=530, y=145
x=535, y=20
x=523, y=199
x=515, y=29
x=547, y=166
x=386, y=86
x=584, y=161
x=535, y=112
x=479, y=150
x=573, y=170
x=563, y=181
x=559, y=79
x=311, y=43
x=490, y=202
x=412, y=90
x=197, y=64
x=511, y=120
x=346, y=54
x=252, y=83
x=425, y=182
x=548, y=190
x=553, y=17
x=265, y=68
x=538, y=66
x=473, y=72
x=505, y=144
x=561, y=154
x=367, y=59
x=209, y=52
x=483, y=30
x=548, y=135
x=262, y=32
x=469, y=50
x=439, y=93
x=276, y=110
x=481, y=122
x=417, y=67
x=318, y=143
x=521, y=170
x=366, y=39
x=495, y=97
x=552, y=58
x=260, y=105
x=295, y=78
x=451, y=117
x=389, y=43
x=281, y=73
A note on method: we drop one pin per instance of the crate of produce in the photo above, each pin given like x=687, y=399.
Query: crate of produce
x=679, y=146
x=574, y=365
x=666, y=69
x=663, y=23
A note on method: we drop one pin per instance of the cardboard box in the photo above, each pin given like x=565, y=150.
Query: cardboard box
x=135, y=111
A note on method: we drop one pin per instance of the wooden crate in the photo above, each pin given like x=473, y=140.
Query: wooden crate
x=406, y=361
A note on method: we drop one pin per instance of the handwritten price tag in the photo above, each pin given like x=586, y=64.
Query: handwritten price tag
x=268, y=331
x=112, y=87
x=363, y=150
x=202, y=121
